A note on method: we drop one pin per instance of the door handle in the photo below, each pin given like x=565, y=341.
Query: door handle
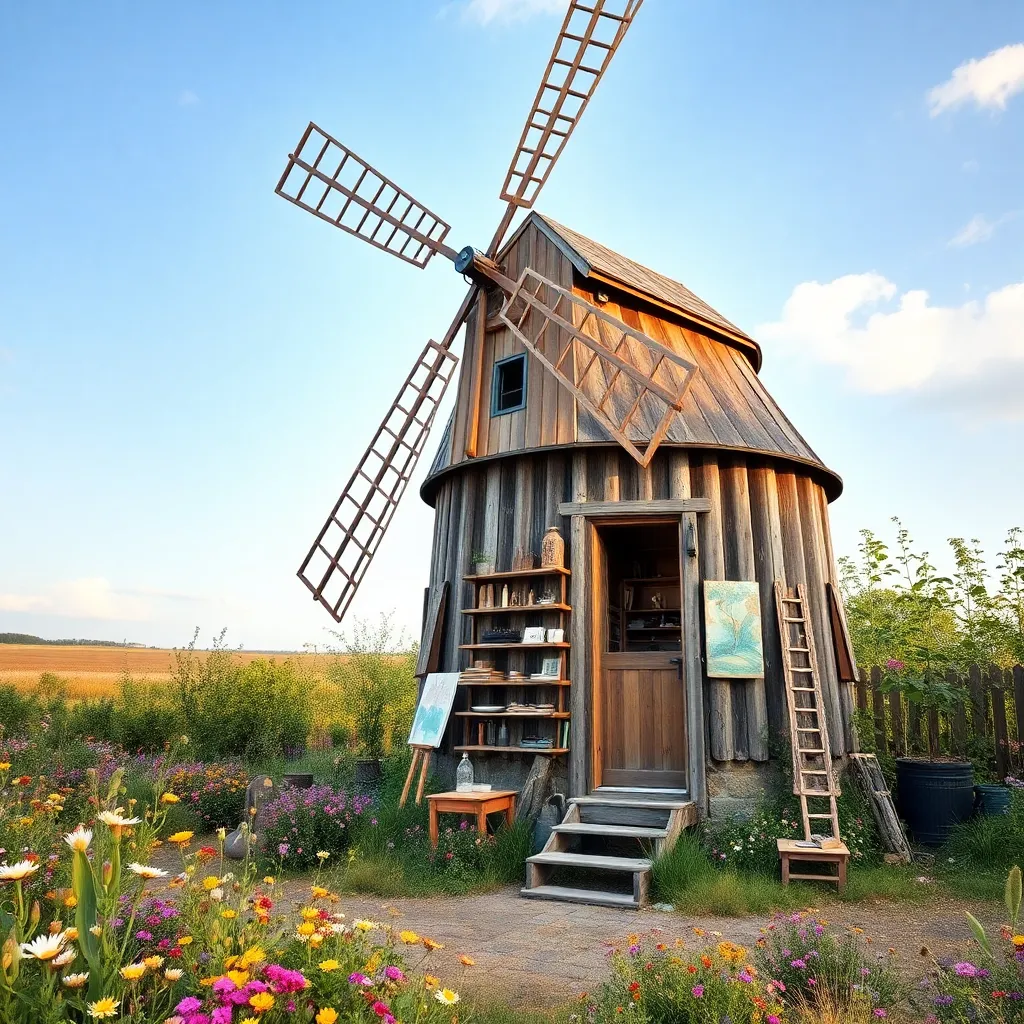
x=678, y=662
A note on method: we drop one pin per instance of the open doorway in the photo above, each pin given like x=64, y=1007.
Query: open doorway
x=639, y=631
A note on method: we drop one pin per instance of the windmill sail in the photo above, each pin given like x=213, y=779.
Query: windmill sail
x=342, y=551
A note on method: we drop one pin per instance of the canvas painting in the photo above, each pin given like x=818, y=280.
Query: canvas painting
x=434, y=708
x=732, y=627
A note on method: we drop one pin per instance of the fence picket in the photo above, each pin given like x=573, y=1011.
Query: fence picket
x=1002, y=738
x=878, y=706
x=979, y=706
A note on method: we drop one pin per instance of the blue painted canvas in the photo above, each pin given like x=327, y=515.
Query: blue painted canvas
x=434, y=708
x=732, y=627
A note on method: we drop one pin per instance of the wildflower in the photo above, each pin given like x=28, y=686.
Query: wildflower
x=467, y=961
x=430, y=945
x=173, y=974
x=217, y=894
x=45, y=947
x=185, y=940
x=75, y=980
x=410, y=938
x=180, y=838
x=170, y=798
x=252, y=956
x=268, y=880
x=364, y=926
x=798, y=964
x=66, y=957
x=393, y=974
x=145, y=871
x=318, y=891
x=430, y=982
x=154, y=963
x=356, y=978
x=116, y=819
x=210, y=882
x=879, y=1012
x=447, y=996
x=322, y=855
x=698, y=991
x=965, y=970
x=309, y=913
x=16, y=872
x=261, y=1001
x=305, y=928
x=132, y=972
x=79, y=839
x=328, y=1015
x=102, y=1008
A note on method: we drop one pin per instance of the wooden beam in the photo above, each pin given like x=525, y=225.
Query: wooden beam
x=476, y=383
x=661, y=506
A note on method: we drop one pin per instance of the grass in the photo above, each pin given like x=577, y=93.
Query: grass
x=693, y=885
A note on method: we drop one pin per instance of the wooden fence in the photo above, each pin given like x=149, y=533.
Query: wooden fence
x=987, y=725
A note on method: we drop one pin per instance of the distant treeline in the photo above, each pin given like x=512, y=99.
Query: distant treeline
x=27, y=638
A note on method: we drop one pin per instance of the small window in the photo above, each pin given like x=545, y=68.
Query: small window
x=509, y=390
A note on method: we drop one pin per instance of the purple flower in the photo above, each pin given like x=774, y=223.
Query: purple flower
x=393, y=974
x=965, y=970
x=143, y=936
x=355, y=978
x=879, y=1012
x=943, y=1000
x=188, y=1005
x=698, y=991
x=282, y=849
x=222, y=1015
x=799, y=964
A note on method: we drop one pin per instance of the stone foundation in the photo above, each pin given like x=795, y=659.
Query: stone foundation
x=734, y=787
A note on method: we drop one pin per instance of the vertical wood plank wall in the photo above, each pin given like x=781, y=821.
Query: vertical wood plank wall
x=767, y=522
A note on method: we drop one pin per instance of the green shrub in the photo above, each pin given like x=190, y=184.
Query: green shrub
x=212, y=794
x=20, y=713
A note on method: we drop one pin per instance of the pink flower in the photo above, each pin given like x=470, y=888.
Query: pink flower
x=879, y=1012
x=698, y=991
x=773, y=1019
x=188, y=1005
x=393, y=974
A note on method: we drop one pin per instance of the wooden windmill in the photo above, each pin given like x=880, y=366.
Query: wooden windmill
x=329, y=180
x=601, y=398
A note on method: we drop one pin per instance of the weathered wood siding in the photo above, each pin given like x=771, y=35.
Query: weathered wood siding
x=768, y=521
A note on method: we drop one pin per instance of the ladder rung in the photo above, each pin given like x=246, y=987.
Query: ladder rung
x=790, y=618
x=804, y=689
x=810, y=750
x=822, y=816
x=808, y=728
x=800, y=668
x=812, y=771
x=802, y=650
x=791, y=600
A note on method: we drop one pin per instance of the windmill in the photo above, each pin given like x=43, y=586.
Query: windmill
x=595, y=355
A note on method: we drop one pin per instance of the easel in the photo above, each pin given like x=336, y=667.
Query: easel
x=420, y=755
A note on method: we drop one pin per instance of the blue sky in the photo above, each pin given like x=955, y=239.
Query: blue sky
x=190, y=366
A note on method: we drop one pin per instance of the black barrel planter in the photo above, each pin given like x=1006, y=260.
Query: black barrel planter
x=991, y=799
x=933, y=796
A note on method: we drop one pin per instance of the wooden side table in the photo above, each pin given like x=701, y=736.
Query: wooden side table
x=790, y=850
x=480, y=804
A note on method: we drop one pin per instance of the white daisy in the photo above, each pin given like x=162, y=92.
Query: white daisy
x=66, y=957
x=80, y=839
x=145, y=871
x=173, y=973
x=116, y=818
x=45, y=947
x=75, y=980
x=16, y=872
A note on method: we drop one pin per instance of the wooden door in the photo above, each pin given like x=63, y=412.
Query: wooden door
x=640, y=717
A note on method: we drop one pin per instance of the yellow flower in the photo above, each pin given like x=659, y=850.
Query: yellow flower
x=173, y=974
x=210, y=882
x=249, y=1020
x=180, y=838
x=261, y=1001
x=328, y=1015
x=409, y=938
x=133, y=971
x=373, y=963
x=253, y=955
x=4, y=765
x=319, y=892
x=467, y=961
x=169, y=798
x=430, y=944
x=430, y=982
x=1018, y=940
x=329, y=965
x=309, y=913
x=154, y=963
x=71, y=901
x=316, y=941
x=268, y=880
x=364, y=926
x=447, y=996
x=306, y=928
x=228, y=914
x=105, y=1007
x=185, y=940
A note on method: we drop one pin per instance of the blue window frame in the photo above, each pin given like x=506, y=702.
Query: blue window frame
x=508, y=389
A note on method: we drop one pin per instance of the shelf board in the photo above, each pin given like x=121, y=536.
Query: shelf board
x=512, y=750
x=513, y=714
x=520, y=682
x=510, y=647
x=650, y=581
x=652, y=629
x=519, y=608
x=484, y=577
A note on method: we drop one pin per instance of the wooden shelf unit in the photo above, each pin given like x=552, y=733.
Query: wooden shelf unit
x=634, y=638
x=552, y=614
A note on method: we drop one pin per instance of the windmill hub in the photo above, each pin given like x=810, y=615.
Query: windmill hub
x=465, y=259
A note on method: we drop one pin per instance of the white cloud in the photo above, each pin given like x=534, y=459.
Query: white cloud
x=486, y=11
x=977, y=229
x=890, y=343
x=89, y=598
x=989, y=82
x=187, y=98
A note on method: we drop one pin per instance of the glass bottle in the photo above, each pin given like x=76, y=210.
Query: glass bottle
x=503, y=735
x=464, y=775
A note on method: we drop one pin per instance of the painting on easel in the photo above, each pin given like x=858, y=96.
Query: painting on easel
x=434, y=708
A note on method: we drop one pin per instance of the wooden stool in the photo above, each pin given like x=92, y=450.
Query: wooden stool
x=790, y=850
x=479, y=804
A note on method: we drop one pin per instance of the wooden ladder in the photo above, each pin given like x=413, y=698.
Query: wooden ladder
x=813, y=779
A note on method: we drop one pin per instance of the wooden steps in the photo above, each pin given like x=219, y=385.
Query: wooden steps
x=590, y=842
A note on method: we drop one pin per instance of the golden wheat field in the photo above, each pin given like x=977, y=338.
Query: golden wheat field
x=89, y=672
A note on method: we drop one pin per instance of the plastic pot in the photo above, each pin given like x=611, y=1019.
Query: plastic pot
x=990, y=799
